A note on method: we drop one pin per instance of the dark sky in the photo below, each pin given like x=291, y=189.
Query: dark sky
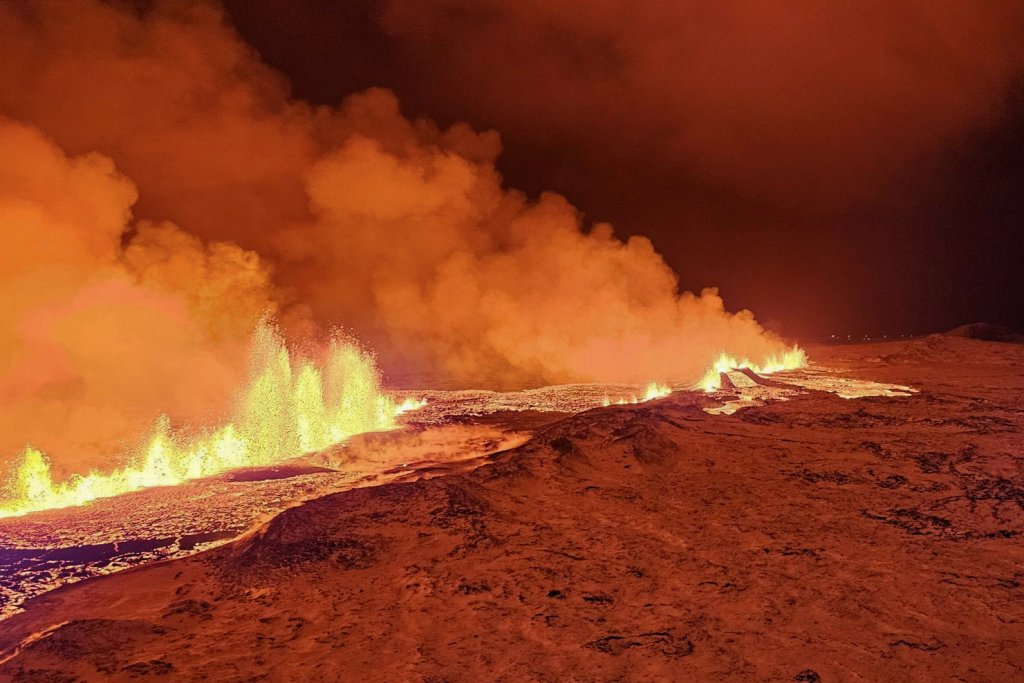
x=851, y=171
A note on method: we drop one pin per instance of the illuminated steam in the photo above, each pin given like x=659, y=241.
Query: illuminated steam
x=160, y=192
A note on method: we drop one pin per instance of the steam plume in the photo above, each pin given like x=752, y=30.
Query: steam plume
x=100, y=338
x=245, y=200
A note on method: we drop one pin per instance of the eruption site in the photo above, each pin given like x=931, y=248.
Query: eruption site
x=161, y=193
x=317, y=341
x=285, y=409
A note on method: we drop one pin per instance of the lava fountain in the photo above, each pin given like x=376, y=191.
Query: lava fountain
x=791, y=359
x=289, y=406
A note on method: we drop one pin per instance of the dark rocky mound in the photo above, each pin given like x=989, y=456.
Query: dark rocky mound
x=986, y=332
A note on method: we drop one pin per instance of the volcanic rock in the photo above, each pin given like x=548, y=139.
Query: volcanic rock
x=810, y=539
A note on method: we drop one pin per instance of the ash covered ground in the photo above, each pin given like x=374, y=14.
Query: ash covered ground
x=860, y=520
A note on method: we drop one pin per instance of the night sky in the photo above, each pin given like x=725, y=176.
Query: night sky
x=838, y=171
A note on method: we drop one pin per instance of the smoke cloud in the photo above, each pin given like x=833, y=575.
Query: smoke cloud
x=160, y=190
x=101, y=335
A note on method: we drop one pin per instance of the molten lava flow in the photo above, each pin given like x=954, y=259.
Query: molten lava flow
x=288, y=407
x=653, y=391
x=792, y=359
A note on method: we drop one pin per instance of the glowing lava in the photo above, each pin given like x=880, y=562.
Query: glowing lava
x=791, y=359
x=289, y=406
x=654, y=390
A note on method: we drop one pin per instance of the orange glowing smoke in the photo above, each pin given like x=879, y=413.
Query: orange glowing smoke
x=160, y=190
x=396, y=228
x=288, y=407
x=107, y=324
